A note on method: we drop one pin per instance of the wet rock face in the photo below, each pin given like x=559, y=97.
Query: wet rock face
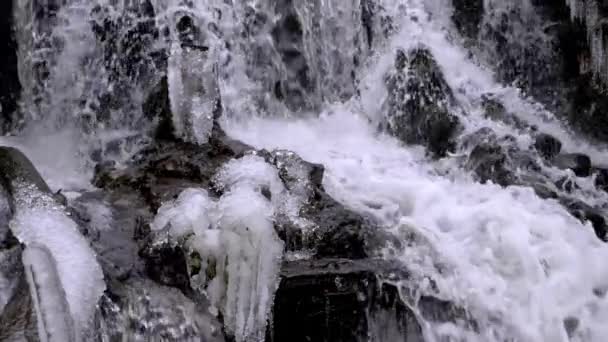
x=490, y=163
x=9, y=78
x=547, y=145
x=143, y=310
x=495, y=110
x=339, y=300
x=497, y=159
x=157, y=107
x=585, y=212
x=15, y=167
x=579, y=163
x=420, y=103
x=288, y=37
x=467, y=16
x=337, y=231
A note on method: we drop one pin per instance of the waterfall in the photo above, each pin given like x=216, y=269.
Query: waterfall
x=438, y=123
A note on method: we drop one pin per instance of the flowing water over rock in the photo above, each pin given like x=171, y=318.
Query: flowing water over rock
x=282, y=170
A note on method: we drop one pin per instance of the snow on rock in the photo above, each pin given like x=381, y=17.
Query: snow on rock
x=53, y=240
x=240, y=252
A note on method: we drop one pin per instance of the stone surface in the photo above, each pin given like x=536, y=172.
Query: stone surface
x=467, y=16
x=579, y=163
x=547, y=145
x=142, y=310
x=337, y=300
x=15, y=167
x=420, y=103
x=585, y=212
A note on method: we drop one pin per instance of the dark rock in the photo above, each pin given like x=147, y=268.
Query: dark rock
x=489, y=162
x=499, y=159
x=158, y=107
x=467, y=16
x=577, y=162
x=288, y=38
x=165, y=263
x=543, y=191
x=7, y=240
x=566, y=184
x=571, y=324
x=420, y=104
x=339, y=300
x=16, y=168
x=601, y=178
x=143, y=310
x=10, y=86
x=338, y=232
x=547, y=145
x=160, y=172
x=585, y=212
x=495, y=110
x=110, y=223
x=18, y=318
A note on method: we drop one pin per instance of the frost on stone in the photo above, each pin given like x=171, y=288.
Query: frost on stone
x=238, y=253
x=70, y=264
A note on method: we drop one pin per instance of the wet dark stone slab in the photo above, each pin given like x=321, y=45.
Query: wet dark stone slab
x=338, y=300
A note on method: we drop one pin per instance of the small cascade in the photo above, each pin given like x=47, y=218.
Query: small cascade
x=270, y=170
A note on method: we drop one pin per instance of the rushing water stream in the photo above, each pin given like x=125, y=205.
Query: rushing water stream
x=310, y=77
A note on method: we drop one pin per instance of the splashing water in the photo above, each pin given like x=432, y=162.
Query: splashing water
x=522, y=267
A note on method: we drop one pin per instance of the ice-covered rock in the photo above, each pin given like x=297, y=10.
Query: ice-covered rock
x=55, y=323
x=238, y=252
x=55, y=251
x=39, y=221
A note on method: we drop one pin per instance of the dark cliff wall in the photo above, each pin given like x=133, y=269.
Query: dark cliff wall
x=549, y=56
x=9, y=78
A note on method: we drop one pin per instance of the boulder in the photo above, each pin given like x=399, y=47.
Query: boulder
x=420, y=103
x=579, y=163
x=489, y=162
x=585, y=212
x=601, y=178
x=16, y=168
x=338, y=231
x=547, y=145
x=496, y=111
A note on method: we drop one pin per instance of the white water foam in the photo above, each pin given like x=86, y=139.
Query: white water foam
x=520, y=265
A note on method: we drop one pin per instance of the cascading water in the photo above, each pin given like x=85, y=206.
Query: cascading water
x=338, y=84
